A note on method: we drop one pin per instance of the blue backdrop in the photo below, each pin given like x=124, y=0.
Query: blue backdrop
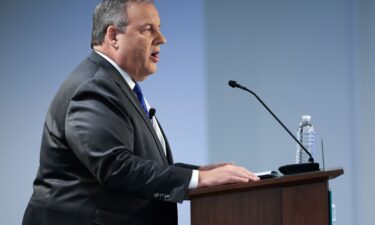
x=42, y=42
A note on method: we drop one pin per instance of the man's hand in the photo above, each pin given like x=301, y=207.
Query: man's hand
x=213, y=166
x=224, y=173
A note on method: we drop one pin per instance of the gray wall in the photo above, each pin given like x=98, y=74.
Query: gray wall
x=301, y=57
x=364, y=108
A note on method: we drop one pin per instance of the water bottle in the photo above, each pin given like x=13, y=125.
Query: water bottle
x=306, y=135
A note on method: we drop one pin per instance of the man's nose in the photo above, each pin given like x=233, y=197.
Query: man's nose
x=160, y=39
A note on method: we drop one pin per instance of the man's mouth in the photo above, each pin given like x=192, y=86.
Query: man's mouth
x=155, y=56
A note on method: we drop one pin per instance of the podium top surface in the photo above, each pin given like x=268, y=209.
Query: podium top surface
x=286, y=180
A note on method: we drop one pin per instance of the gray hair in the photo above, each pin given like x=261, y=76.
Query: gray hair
x=107, y=13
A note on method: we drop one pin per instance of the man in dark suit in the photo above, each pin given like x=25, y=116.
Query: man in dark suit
x=104, y=159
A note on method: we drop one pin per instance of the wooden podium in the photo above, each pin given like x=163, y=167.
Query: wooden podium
x=301, y=199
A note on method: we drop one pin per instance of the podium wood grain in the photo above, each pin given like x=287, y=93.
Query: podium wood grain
x=289, y=200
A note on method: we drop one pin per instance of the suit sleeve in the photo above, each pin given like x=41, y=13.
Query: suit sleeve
x=187, y=166
x=101, y=135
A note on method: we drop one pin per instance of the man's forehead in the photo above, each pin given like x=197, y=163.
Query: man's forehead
x=143, y=13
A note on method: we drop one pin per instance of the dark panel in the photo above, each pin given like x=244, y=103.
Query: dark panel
x=305, y=204
x=289, y=200
x=255, y=207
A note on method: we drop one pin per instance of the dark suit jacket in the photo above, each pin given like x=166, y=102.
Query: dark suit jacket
x=101, y=161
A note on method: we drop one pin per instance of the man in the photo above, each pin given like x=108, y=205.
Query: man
x=104, y=159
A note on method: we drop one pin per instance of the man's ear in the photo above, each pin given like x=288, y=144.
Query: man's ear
x=111, y=36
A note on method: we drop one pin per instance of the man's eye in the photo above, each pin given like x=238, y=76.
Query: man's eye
x=148, y=28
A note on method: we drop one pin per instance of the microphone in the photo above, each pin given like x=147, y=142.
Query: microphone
x=292, y=168
x=151, y=113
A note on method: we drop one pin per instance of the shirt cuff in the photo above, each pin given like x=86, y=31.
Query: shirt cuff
x=194, y=180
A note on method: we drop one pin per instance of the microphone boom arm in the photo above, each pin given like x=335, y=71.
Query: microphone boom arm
x=234, y=84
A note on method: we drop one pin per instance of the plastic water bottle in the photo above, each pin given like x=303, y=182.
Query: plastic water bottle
x=306, y=135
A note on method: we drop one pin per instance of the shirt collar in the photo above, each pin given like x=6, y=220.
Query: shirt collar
x=124, y=74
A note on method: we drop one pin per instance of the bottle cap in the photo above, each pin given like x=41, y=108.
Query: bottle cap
x=306, y=118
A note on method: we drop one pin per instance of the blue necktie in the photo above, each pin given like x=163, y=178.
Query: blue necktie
x=137, y=90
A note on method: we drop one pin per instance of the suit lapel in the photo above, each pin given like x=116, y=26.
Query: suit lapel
x=116, y=76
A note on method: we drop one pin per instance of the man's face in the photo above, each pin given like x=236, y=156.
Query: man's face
x=139, y=43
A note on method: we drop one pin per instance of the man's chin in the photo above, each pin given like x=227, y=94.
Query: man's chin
x=151, y=70
x=144, y=76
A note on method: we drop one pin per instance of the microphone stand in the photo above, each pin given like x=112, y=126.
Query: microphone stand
x=291, y=168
